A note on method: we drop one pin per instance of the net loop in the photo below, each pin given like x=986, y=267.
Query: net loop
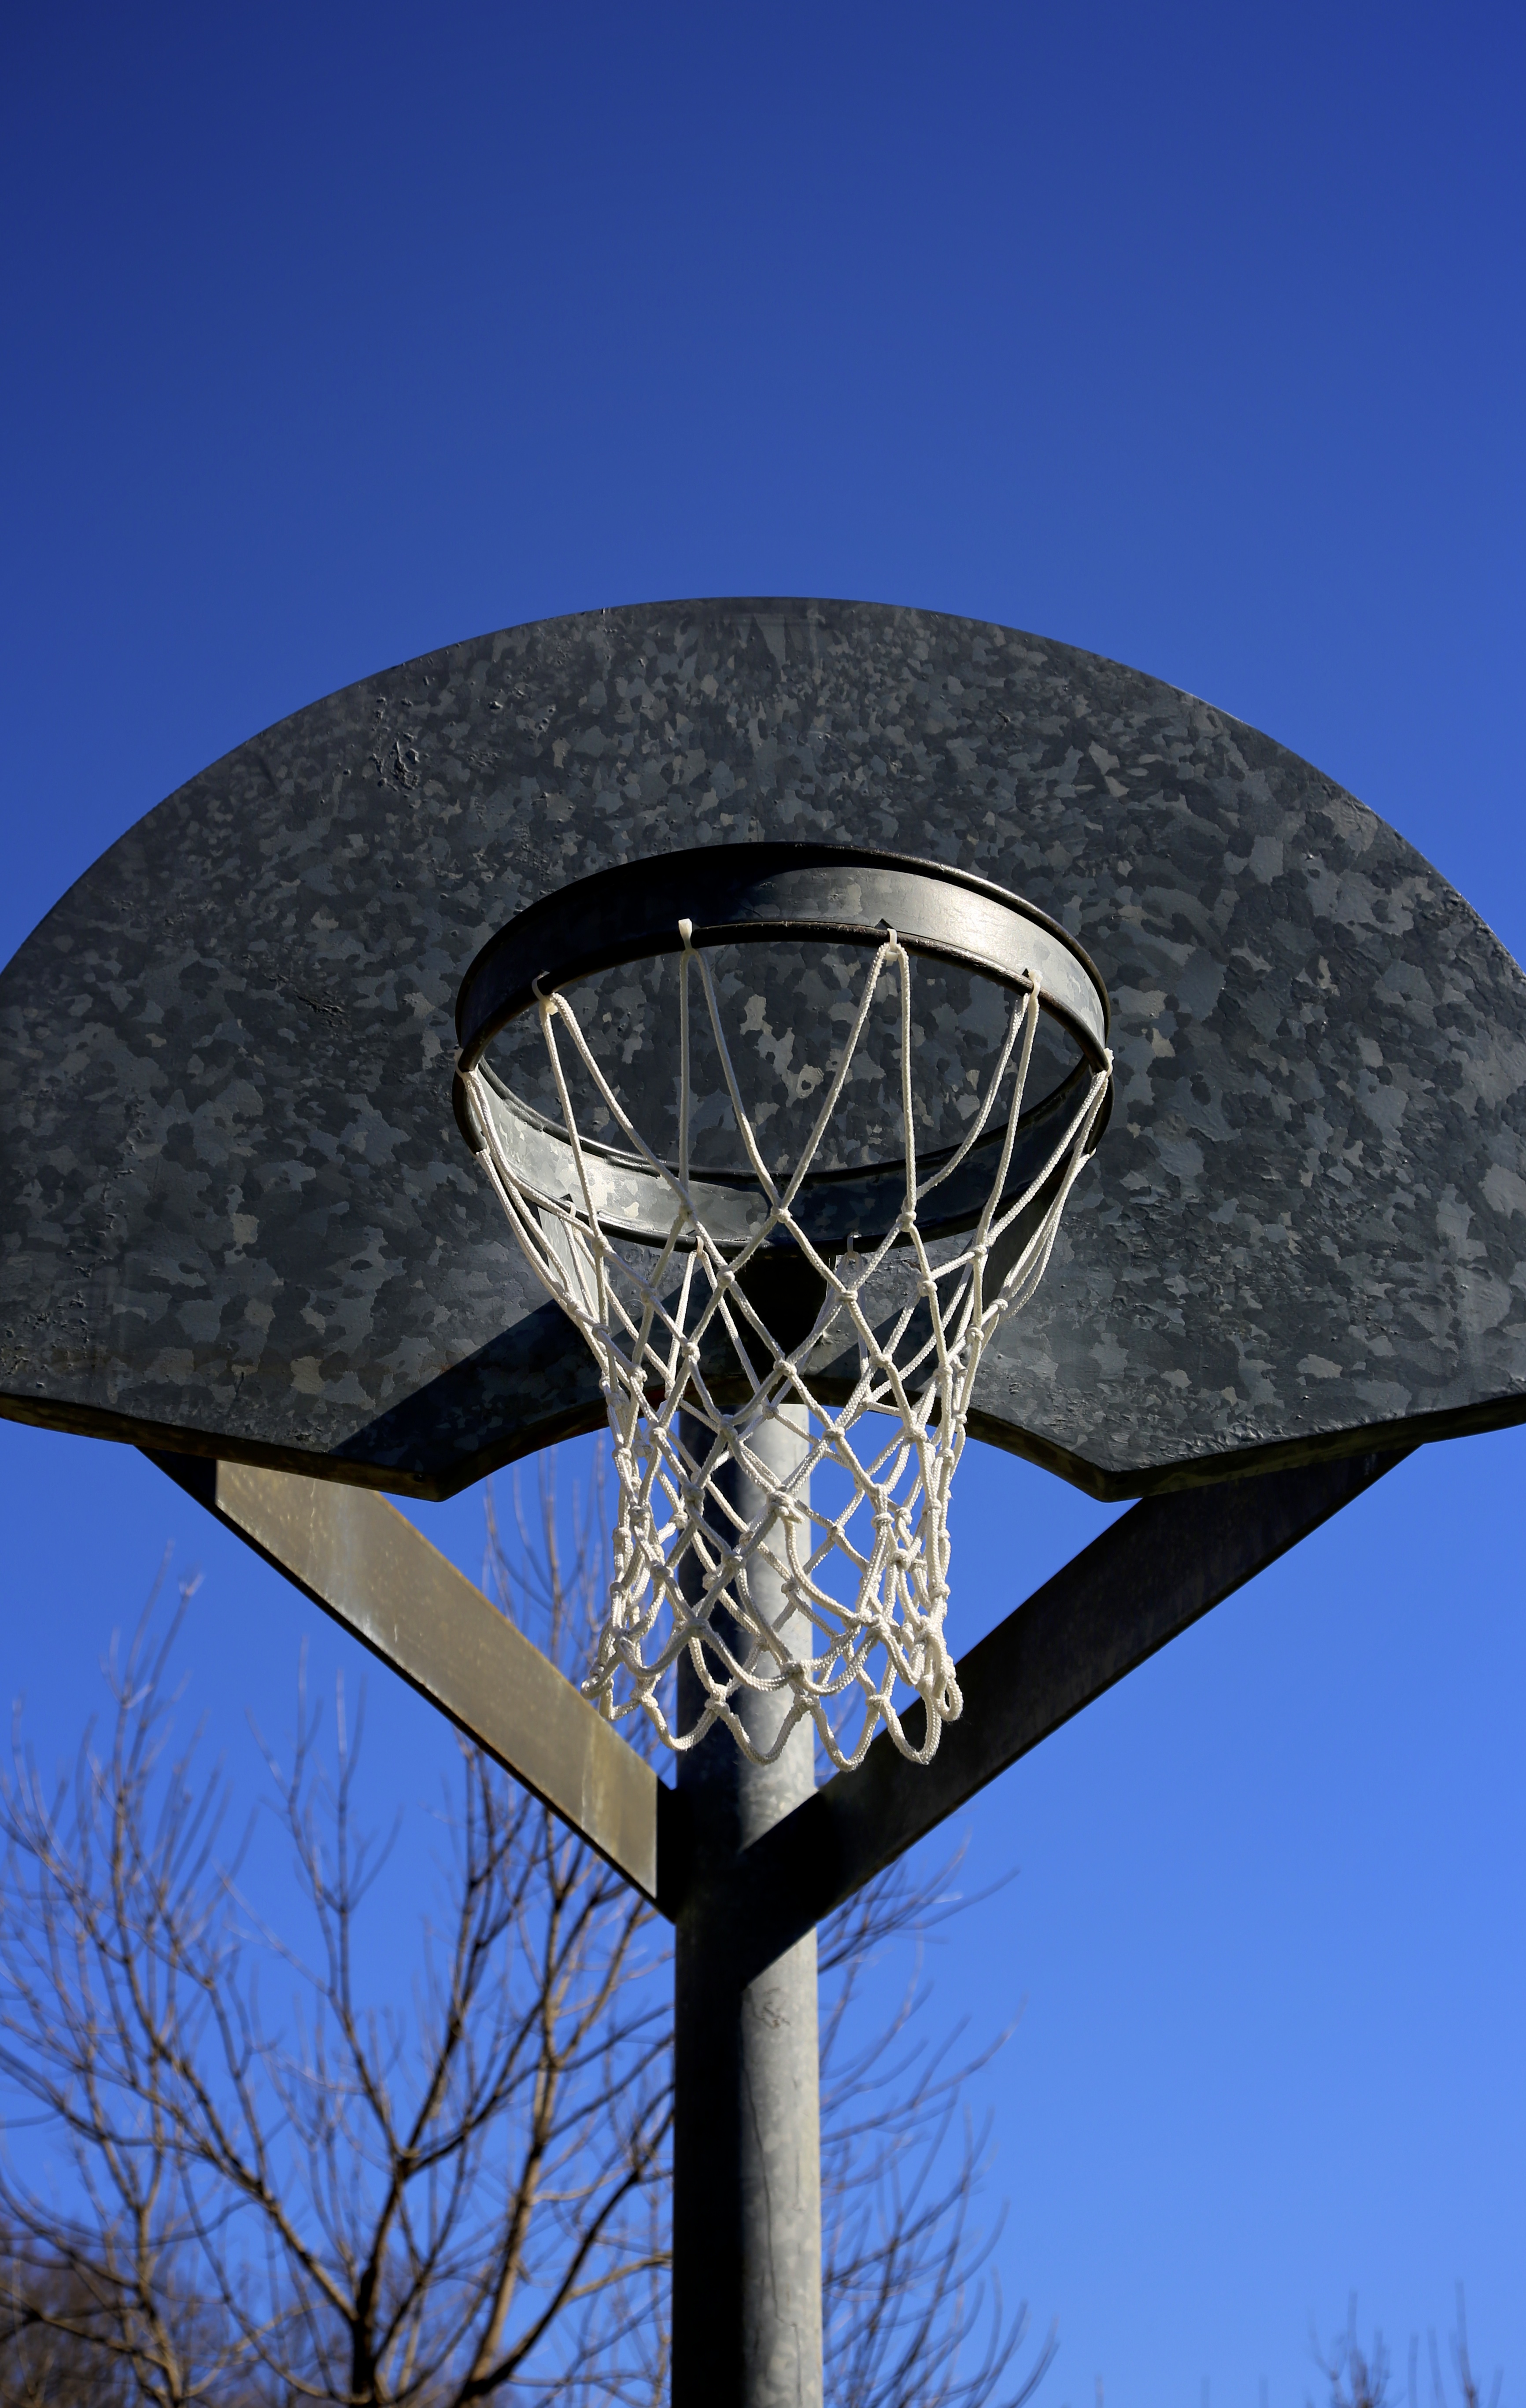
x=671, y=1322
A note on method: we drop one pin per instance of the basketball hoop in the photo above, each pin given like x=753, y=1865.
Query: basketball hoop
x=721, y=1302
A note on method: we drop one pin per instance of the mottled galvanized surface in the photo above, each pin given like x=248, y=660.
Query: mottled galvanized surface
x=234, y=1210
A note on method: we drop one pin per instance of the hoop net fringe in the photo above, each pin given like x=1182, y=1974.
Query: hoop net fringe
x=684, y=1558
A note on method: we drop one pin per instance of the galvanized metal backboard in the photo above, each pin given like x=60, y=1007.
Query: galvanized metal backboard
x=235, y=1214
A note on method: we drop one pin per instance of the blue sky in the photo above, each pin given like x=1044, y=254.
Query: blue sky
x=1190, y=336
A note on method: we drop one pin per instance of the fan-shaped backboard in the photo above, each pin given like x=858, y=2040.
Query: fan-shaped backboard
x=237, y=1216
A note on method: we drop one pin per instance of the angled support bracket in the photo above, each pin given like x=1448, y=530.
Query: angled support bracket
x=1148, y=1577
x=1153, y=1573
x=354, y=1554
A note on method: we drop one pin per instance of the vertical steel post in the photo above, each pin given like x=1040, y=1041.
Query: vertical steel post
x=746, y=2134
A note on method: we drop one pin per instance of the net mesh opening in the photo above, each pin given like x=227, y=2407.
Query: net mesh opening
x=702, y=1346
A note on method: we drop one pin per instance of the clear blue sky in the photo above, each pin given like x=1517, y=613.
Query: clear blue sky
x=1191, y=336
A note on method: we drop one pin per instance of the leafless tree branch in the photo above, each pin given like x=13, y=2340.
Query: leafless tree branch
x=438, y=2202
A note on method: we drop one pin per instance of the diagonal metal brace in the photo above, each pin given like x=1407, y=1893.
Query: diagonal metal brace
x=354, y=1554
x=1155, y=1571
x=1148, y=1577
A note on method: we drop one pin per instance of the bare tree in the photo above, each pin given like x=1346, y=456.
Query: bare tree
x=1360, y=2378
x=905, y=2267
x=51, y=2337
x=461, y=2198
x=1467, y=2385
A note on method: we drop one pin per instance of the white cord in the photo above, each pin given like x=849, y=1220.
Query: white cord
x=647, y=1322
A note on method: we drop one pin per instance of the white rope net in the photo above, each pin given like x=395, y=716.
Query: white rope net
x=872, y=1518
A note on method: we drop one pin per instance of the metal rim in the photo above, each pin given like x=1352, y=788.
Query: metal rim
x=835, y=1208
x=759, y=893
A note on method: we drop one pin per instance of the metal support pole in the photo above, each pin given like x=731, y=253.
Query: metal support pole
x=747, y=2133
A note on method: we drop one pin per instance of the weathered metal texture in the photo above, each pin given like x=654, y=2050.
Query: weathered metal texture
x=746, y=2112
x=235, y=1212
x=1147, y=1578
x=366, y=1564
